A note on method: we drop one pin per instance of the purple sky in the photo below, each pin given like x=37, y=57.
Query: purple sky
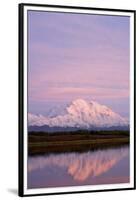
x=77, y=56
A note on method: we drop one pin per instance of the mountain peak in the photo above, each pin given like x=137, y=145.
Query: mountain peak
x=82, y=114
x=82, y=102
x=79, y=102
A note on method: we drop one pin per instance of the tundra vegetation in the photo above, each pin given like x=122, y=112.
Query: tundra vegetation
x=81, y=140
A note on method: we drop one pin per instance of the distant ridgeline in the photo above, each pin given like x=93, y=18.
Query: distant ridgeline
x=46, y=128
x=78, y=115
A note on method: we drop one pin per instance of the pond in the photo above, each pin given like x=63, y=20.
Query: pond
x=101, y=166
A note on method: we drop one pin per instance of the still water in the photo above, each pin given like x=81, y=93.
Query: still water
x=106, y=166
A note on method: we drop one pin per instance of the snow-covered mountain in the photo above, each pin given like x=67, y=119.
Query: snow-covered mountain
x=79, y=114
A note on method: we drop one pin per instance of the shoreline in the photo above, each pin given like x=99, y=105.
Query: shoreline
x=41, y=142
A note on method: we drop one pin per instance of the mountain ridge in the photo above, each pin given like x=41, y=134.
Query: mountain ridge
x=80, y=114
x=57, y=129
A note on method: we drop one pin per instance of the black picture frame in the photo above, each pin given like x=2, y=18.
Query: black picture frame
x=21, y=92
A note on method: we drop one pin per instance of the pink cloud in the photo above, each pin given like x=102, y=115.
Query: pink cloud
x=69, y=92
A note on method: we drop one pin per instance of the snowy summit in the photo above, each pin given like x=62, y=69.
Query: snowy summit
x=80, y=114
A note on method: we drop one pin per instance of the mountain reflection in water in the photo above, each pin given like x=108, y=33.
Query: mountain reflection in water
x=78, y=167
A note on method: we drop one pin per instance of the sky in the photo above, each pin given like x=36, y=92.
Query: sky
x=73, y=56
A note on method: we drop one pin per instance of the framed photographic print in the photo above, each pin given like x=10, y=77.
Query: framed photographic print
x=76, y=99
